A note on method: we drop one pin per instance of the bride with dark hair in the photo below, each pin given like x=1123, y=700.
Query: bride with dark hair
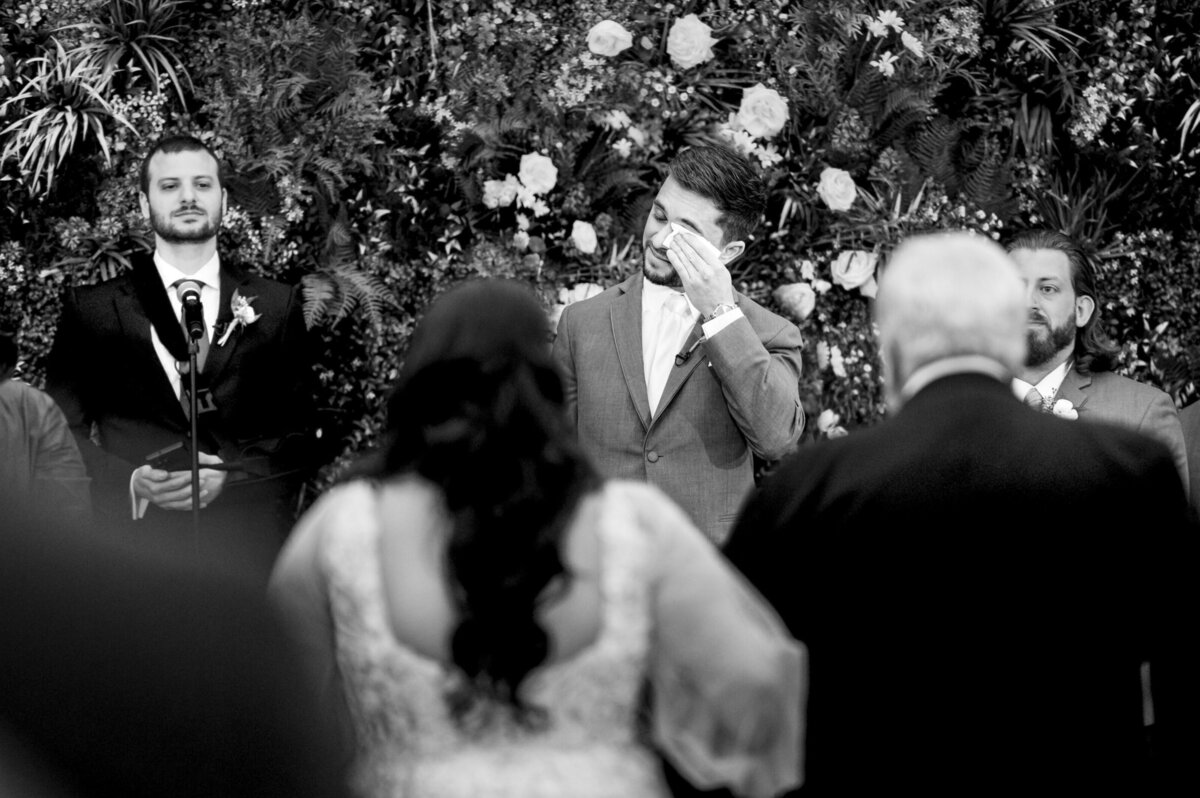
x=487, y=611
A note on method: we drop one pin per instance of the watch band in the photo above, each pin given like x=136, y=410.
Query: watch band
x=723, y=307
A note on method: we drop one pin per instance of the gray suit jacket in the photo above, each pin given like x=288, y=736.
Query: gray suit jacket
x=1189, y=419
x=1105, y=396
x=736, y=396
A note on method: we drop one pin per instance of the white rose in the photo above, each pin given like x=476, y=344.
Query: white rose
x=869, y=289
x=763, y=111
x=538, y=173
x=837, y=188
x=608, y=38
x=500, y=193
x=798, y=299
x=690, y=42
x=854, y=268
x=520, y=239
x=827, y=420
x=583, y=235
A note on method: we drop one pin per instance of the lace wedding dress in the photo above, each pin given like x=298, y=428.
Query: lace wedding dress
x=408, y=745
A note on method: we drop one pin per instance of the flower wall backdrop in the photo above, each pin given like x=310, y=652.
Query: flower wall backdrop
x=380, y=150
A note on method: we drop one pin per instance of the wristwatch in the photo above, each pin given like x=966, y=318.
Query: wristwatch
x=723, y=307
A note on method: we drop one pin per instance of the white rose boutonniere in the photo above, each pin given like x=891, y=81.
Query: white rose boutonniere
x=1064, y=409
x=690, y=42
x=837, y=188
x=243, y=315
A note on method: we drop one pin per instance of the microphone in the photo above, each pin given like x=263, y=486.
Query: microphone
x=683, y=356
x=188, y=293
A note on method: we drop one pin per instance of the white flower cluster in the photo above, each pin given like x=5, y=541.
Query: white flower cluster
x=885, y=24
x=538, y=175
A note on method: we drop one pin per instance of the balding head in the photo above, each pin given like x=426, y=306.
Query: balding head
x=946, y=295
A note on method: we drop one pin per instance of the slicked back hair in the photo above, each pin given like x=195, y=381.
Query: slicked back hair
x=727, y=179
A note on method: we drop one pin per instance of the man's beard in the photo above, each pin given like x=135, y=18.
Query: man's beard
x=1044, y=347
x=670, y=278
x=162, y=225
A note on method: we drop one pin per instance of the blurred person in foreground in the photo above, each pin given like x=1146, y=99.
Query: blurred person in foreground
x=147, y=673
x=490, y=608
x=674, y=378
x=1069, y=365
x=119, y=369
x=39, y=459
x=978, y=585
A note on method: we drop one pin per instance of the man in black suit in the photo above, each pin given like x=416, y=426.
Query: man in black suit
x=977, y=583
x=119, y=371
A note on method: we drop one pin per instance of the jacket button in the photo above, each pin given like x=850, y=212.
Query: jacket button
x=652, y=456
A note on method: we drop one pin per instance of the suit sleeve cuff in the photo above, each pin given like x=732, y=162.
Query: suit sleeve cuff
x=713, y=327
x=136, y=505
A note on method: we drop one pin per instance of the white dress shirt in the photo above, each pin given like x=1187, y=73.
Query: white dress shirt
x=1048, y=386
x=210, y=297
x=658, y=357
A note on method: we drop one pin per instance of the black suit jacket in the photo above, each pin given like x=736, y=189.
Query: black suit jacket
x=106, y=376
x=977, y=585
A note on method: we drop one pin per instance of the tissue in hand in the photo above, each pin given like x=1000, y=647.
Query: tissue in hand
x=699, y=242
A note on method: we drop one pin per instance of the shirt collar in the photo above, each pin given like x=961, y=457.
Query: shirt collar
x=655, y=295
x=1048, y=386
x=209, y=273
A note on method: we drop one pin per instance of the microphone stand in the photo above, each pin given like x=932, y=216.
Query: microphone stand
x=193, y=351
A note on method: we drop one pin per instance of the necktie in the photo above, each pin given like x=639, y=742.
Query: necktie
x=674, y=322
x=1035, y=399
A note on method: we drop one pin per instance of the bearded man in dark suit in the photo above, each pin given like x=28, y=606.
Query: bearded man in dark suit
x=119, y=371
x=979, y=584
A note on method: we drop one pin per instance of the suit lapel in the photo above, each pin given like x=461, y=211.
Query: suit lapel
x=680, y=373
x=626, y=317
x=135, y=319
x=232, y=279
x=1074, y=389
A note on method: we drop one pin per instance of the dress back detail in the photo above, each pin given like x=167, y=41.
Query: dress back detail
x=408, y=743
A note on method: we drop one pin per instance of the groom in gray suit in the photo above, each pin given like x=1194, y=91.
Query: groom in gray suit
x=673, y=377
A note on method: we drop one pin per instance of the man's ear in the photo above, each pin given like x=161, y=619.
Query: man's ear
x=224, y=201
x=145, y=204
x=1085, y=306
x=732, y=250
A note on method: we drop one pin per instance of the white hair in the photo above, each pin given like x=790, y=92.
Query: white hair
x=945, y=295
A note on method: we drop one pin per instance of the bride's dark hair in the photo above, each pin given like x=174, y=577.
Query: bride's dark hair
x=478, y=411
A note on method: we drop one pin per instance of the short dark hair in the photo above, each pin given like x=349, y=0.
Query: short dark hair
x=1094, y=351
x=176, y=142
x=727, y=179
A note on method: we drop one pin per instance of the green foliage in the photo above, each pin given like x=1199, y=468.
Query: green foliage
x=379, y=151
x=57, y=105
x=132, y=41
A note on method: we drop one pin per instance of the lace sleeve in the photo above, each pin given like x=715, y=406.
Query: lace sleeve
x=728, y=680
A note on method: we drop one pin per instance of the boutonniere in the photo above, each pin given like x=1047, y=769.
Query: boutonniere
x=243, y=315
x=1064, y=409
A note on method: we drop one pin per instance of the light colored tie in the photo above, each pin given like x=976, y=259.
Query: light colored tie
x=674, y=322
x=1035, y=399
